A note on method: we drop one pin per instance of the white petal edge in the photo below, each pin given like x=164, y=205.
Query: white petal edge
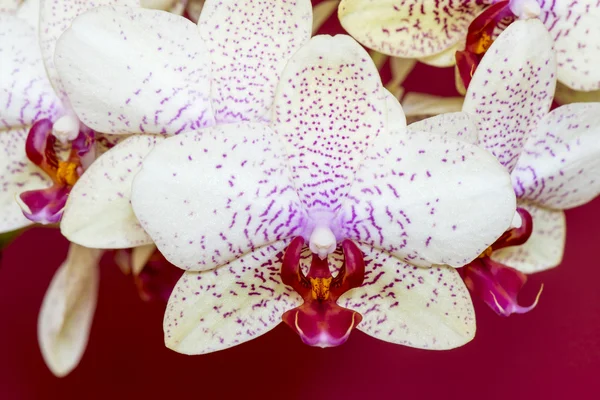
x=68, y=309
x=545, y=247
x=426, y=308
x=214, y=310
x=98, y=213
x=457, y=125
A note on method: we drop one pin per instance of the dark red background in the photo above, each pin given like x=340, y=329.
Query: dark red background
x=551, y=353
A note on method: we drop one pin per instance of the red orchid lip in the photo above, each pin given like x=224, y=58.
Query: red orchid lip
x=46, y=206
x=496, y=284
x=320, y=321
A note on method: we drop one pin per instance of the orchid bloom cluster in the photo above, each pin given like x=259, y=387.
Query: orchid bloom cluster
x=250, y=174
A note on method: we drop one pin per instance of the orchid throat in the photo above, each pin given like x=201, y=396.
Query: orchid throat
x=320, y=321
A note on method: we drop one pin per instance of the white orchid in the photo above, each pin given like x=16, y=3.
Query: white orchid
x=220, y=193
x=553, y=157
x=434, y=31
x=35, y=118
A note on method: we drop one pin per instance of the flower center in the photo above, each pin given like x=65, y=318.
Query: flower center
x=66, y=173
x=320, y=321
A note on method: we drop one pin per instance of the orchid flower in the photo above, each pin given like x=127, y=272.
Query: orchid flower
x=223, y=184
x=553, y=157
x=434, y=31
x=38, y=126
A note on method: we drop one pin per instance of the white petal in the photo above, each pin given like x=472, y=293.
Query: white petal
x=135, y=71
x=566, y=95
x=55, y=17
x=98, y=213
x=29, y=11
x=328, y=109
x=408, y=29
x=576, y=33
x=429, y=200
x=446, y=58
x=17, y=175
x=9, y=6
x=211, y=196
x=213, y=310
x=560, y=164
x=25, y=92
x=68, y=309
x=428, y=308
x=545, y=246
x=250, y=42
x=512, y=89
x=396, y=123
x=456, y=125
x=417, y=106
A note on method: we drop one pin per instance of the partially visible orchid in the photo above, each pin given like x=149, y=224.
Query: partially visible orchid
x=223, y=184
x=434, y=31
x=553, y=157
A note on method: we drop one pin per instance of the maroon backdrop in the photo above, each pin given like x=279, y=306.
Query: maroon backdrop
x=551, y=353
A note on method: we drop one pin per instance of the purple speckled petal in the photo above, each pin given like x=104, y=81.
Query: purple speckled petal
x=213, y=310
x=396, y=120
x=512, y=89
x=68, y=309
x=250, y=41
x=575, y=28
x=17, y=174
x=560, y=164
x=209, y=197
x=426, y=308
x=55, y=17
x=409, y=29
x=98, y=213
x=429, y=200
x=329, y=107
x=544, y=248
x=453, y=125
x=25, y=92
x=132, y=70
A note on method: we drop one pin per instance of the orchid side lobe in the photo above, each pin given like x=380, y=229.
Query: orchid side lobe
x=320, y=321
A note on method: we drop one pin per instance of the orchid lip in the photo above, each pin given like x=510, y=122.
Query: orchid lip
x=496, y=284
x=46, y=206
x=320, y=321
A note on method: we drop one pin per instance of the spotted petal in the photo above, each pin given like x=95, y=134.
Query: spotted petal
x=211, y=196
x=427, y=308
x=132, y=70
x=560, y=164
x=68, y=309
x=512, y=89
x=429, y=200
x=55, y=17
x=329, y=107
x=453, y=125
x=408, y=29
x=249, y=43
x=25, y=92
x=98, y=213
x=544, y=248
x=576, y=32
x=17, y=174
x=213, y=310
